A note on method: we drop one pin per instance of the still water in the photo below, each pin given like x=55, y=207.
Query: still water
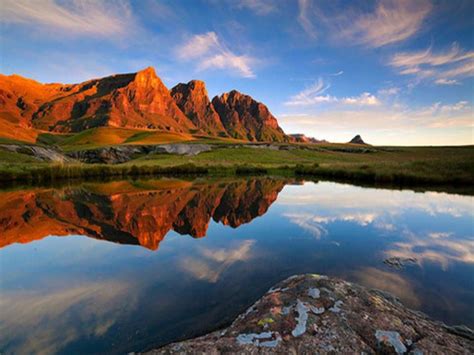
x=128, y=266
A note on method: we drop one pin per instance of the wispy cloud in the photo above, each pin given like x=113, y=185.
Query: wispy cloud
x=391, y=21
x=260, y=7
x=93, y=18
x=304, y=15
x=443, y=66
x=313, y=96
x=340, y=72
x=211, y=53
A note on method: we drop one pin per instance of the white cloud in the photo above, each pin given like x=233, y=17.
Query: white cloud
x=389, y=91
x=304, y=17
x=365, y=99
x=73, y=18
x=443, y=67
x=447, y=82
x=211, y=53
x=340, y=72
x=438, y=124
x=391, y=21
x=260, y=7
x=312, y=96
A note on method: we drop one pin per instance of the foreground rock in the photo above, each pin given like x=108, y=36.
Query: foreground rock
x=310, y=314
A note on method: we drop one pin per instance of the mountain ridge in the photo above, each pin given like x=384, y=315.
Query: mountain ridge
x=134, y=100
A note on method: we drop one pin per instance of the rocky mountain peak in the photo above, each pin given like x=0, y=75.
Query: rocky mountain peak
x=357, y=140
x=245, y=118
x=193, y=100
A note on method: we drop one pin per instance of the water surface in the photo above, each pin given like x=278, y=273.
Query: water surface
x=131, y=265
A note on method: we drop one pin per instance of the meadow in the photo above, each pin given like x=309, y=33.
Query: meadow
x=391, y=165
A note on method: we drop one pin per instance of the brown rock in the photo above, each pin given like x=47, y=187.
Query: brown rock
x=245, y=118
x=193, y=100
x=313, y=314
x=137, y=100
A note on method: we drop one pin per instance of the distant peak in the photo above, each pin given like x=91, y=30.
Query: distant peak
x=357, y=140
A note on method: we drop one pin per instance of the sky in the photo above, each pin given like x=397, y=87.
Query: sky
x=396, y=72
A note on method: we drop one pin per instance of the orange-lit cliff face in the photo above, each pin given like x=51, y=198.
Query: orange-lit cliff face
x=121, y=213
x=136, y=101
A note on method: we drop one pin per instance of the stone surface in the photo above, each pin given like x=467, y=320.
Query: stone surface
x=340, y=317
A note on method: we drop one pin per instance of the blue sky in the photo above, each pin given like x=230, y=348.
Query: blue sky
x=396, y=72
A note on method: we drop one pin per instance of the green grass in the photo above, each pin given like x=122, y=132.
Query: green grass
x=384, y=165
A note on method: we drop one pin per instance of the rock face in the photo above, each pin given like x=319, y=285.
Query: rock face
x=193, y=100
x=136, y=101
x=357, y=140
x=245, y=118
x=313, y=314
x=121, y=212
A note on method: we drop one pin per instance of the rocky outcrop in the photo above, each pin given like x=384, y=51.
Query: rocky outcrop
x=125, y=153
x=38, y=152
x=193, y=100
x=137, y=101
x=123, y=212
x=313, y=314
x=357, y=140
x=245, y=118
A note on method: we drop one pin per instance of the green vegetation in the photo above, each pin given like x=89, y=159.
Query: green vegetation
x=381, y=165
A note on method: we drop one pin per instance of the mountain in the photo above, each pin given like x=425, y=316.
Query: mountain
x=193, y=100
x=301, y=138
x=121, y=212
x=136, y=101
x=357, y=140
x=245, y=118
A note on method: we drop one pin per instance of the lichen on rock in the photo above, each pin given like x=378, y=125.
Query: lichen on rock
x=345, y=318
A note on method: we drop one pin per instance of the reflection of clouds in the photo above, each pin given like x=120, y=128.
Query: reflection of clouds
x=309, y=223
x=436, y=247
x=47, y=322
x=314, y=223
x=389, y=282
x=339, y=198
x=214, y=262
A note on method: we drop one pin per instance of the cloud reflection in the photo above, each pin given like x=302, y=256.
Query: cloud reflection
x=52, y=318
x=213, y=262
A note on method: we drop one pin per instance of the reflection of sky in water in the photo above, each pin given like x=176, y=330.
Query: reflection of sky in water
x=77, y=294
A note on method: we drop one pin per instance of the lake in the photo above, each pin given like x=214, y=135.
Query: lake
x=131, y=265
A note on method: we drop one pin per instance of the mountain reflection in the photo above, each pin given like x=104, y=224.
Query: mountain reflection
x=139, y=213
